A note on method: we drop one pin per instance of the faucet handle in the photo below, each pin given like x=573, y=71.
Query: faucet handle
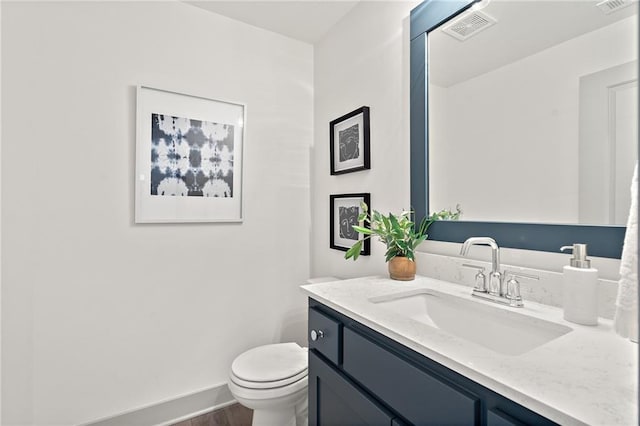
x=515, y=274
x=481, y=279
x=513, y=287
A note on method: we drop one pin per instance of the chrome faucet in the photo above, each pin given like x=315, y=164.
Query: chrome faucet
x=499, y=291
x=496, y=283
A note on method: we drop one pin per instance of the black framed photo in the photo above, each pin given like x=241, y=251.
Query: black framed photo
x=349, y=142
x=343, y=214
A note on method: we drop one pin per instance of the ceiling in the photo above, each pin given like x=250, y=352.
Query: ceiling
x=524, y=27
x=305, y=20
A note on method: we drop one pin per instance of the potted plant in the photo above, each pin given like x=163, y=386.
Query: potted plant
x=399, y=234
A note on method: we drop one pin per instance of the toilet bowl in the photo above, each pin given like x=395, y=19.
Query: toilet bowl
x=272, y=380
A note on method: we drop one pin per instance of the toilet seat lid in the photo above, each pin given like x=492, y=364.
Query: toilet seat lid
x=271, y=363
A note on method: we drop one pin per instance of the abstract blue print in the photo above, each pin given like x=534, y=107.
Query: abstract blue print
x=191, y=158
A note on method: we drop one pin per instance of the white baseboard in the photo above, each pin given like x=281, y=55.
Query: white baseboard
x=173, y=410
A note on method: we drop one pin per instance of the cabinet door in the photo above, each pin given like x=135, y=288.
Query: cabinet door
x=334, y=401
x=417, y=395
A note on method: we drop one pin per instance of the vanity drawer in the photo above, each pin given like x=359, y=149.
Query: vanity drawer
x=325, y=335
x=426, y=401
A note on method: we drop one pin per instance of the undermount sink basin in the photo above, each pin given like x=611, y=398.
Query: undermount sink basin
x=501, y=330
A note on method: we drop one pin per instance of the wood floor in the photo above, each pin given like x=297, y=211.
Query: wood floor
x=233, y=415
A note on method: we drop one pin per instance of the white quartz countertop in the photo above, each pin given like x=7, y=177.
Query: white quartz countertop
x=587, y=376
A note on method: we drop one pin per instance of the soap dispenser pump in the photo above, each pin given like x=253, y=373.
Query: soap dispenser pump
x=580, y=289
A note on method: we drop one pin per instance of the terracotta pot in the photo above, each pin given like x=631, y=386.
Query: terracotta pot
x=402, y=269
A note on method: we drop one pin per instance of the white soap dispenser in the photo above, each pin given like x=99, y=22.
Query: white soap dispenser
x=580, y=290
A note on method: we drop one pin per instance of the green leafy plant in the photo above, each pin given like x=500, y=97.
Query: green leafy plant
x=398, y=232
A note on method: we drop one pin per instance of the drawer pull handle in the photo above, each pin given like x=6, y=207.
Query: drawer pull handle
x=315, y=335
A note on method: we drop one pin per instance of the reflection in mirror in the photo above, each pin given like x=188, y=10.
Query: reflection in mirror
x=533, y=118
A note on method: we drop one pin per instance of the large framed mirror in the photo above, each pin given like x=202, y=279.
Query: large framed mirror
x=524, y=113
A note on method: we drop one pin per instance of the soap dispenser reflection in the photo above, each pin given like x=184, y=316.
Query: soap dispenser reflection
x=580, y=288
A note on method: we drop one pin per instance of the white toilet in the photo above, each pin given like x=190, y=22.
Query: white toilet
x=272, y=380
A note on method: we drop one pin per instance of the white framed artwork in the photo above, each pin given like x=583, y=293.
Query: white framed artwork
x=188, y=158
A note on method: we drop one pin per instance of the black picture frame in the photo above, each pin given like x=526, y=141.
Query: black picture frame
x=341, y=235
x=349, y=142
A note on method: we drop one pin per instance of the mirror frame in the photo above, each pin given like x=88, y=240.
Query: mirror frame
x=603, y=241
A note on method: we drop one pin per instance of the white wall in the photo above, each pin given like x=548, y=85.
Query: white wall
x=100, y=315
x=525, y=115
x=364, y=60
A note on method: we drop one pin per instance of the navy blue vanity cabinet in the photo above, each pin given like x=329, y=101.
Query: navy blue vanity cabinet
x=357, y=376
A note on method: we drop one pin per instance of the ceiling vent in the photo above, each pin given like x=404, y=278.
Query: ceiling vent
x=610, y=6
x=469, y=25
